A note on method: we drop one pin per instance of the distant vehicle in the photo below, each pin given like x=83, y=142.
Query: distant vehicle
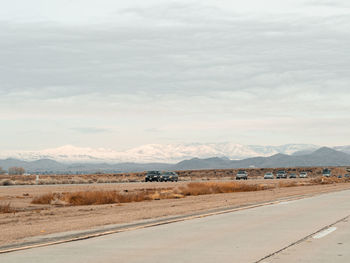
x=169, y=177
x=339, y=176
x=293, y=175
x=348, y=170
x=152, y=176
x=269, y=175
x=281, y=174
x=326, y=172
x=347, y=175
x=242, y=175
x=303, y=175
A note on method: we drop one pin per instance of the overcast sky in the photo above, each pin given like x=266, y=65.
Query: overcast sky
x=119, y=74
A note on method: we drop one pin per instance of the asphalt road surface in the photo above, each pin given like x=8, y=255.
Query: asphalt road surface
x=307, y=230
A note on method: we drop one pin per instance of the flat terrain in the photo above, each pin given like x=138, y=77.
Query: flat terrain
x=37, y=220
x=249, y=235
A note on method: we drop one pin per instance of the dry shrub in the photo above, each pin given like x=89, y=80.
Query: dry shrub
x=216, y=188
x=134, y=197
x=6, y=208
x=287, y=184
x=91, y=197
x=44, y=199
x=105, y=197
x=327, y=180
x=199, y=188
x=48, y=181
x=7, y=182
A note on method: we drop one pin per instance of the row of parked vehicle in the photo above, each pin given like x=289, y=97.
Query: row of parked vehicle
x=157, y=176
x=328, y=173
x=281, y=174
x=165, y=176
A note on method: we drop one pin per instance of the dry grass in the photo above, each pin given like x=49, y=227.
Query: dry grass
x=91, y=198
x=6, y=208
x=191, y=189
x=6, y=182
x=113, y=197
x=217, y=188
x=44, y=199
x=289, y=184
x=328, y=180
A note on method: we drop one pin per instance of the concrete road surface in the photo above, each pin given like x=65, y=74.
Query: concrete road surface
x=289, y=229
x=329, y=246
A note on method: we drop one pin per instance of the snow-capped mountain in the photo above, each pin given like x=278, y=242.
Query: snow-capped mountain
x=164, y=153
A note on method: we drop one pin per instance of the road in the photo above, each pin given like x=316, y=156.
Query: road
x=250, y=235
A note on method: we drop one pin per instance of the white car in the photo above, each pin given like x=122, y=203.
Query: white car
x=303, y=175
x=269, y=175
x=242, y=175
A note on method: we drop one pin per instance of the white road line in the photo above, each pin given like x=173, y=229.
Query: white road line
x=287, y=202
x=325, y=232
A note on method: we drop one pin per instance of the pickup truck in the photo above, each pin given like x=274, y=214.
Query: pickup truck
x=242, y=175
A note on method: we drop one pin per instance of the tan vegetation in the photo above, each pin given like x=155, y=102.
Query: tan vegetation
x=220, y=187
x=190, y=189
x=187, y=176
x=6, y=208
x=6, y=182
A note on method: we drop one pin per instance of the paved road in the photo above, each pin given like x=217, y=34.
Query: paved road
x=329, y=246
x=243, y=236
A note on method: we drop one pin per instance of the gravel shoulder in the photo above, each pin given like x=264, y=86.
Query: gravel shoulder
x=38, y=220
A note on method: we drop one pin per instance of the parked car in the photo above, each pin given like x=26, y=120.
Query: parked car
x=347, y=175
x=303, y=175
x=340, y=176
x=242, y=175
x=269, y=175
x=281, y=174
x=293, y=175
x=152, y=176
x=326, y=172
x=169, y=177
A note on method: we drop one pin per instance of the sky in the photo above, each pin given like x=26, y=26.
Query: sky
x=119, y=74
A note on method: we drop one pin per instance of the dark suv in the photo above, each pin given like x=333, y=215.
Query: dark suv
x=152, y=176
x=169, y=177
x=326, y=172
x=281, y=174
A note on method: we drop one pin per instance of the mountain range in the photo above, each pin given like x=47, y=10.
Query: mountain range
x=321, y=157
x=159, y=153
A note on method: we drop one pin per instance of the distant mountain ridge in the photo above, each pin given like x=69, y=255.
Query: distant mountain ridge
x=150, y=153
x=321, y=157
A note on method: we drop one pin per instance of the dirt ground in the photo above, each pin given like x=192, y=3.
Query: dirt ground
x=34, y=220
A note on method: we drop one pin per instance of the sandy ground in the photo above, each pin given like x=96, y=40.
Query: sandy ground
x=37, y=220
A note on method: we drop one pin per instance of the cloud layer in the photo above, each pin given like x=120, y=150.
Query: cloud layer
x=175, y=72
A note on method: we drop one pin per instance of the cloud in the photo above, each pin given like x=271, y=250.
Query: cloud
x=90, y=130
x=183, y=63
x=329, y=3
